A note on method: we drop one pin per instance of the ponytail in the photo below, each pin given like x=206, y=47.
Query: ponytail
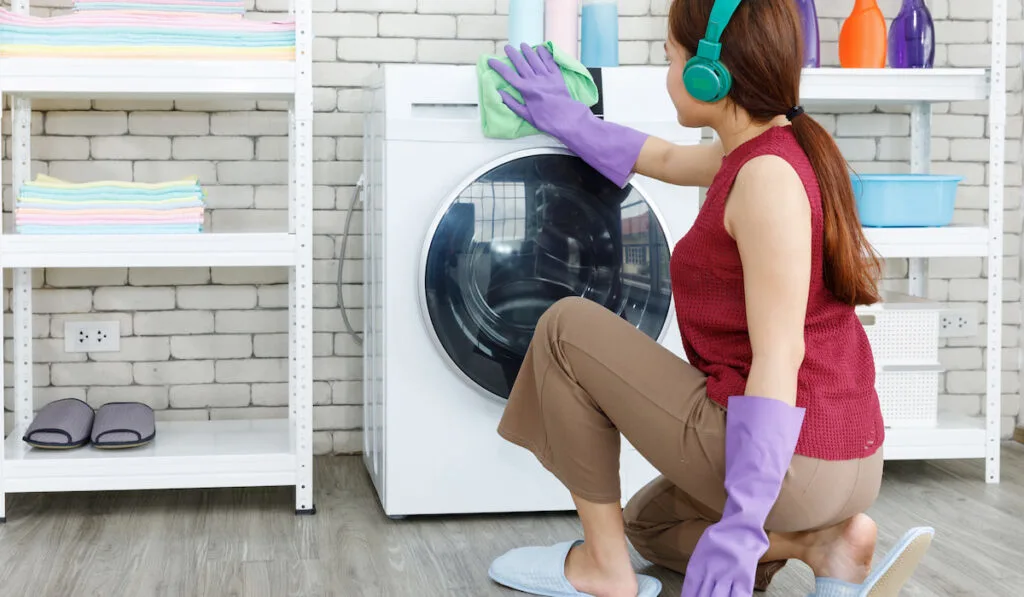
x=851, y=267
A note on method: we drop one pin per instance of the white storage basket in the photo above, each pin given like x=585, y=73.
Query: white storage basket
x=903, y=332
x=909, y=395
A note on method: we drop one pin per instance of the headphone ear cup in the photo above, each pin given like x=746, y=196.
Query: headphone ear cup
x=706, y=80
x=724, y=80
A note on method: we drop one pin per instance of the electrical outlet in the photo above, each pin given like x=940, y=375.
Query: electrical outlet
x=958, y=323
x=92, y=336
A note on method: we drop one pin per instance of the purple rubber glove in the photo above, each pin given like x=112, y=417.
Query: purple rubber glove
x=760, y=438
x=609, y=148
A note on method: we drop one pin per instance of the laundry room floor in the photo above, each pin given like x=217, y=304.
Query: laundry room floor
x=248, y=543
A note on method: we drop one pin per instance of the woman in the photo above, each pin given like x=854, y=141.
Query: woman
x=769, y=440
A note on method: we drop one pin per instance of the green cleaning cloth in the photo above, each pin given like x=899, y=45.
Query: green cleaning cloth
x=498, y=122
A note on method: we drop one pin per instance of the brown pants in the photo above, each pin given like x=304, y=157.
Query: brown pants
x=589, y=376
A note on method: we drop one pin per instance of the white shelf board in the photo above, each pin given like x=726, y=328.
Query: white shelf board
x=184, y=454
x=954, y=437
x=147, y=250
x=890, y=85
x=949, y=241
x=98, y=78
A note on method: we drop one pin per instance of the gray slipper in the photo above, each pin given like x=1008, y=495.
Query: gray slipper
x=60, y=425
x=123, y=425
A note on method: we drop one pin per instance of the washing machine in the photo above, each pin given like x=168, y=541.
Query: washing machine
x=467, y=240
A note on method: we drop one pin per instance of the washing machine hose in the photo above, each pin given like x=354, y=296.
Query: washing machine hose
x=356, y=194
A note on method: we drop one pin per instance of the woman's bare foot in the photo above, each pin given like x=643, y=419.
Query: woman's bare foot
x=602, y=577
x=843, y=551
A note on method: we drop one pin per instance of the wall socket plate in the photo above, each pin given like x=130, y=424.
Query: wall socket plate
x=92, y=336
x=958, y=323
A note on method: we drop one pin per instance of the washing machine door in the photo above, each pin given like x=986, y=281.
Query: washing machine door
x=524, y=232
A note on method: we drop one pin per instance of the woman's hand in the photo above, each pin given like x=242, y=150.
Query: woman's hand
x=609, y=148
x=548, y=106
x=536, y=76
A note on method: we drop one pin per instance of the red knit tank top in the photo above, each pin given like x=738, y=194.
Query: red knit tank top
x=836, y=381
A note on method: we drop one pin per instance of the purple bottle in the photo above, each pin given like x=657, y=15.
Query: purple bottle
x=812, y=40
x=912, y=37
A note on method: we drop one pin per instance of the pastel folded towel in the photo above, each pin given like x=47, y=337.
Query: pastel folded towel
x=223, y=7
x=498, y=122
x=178, y=33
x=147, y=229
x=141, y=21
x=47, y=180
x=147, y=53
x=48, y=205
x=176, y=8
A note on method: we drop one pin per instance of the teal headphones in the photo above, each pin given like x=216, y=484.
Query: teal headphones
x=705, y=78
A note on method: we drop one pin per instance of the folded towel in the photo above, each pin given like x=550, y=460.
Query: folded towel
x=148, y=52
x=220, y=9
x=168, y=29
x=142, y=20
x=15, y=34
x=498, y=122
x=112, y=229
x=45, y=189
x=47, y=180
x=143, y=7
x=111, y=221
x=187, y=212
x=49, y=205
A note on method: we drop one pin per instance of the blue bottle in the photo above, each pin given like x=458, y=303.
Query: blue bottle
x=525, y=22
x=599, y=33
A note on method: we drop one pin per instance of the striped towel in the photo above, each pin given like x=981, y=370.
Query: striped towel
x=153, y=34
x=222, y=8
x=49, y=205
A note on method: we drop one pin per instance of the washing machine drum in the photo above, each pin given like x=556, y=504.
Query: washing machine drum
x=529, y=231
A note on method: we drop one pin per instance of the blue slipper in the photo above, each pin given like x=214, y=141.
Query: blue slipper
x=541, y=571
x=888, y=579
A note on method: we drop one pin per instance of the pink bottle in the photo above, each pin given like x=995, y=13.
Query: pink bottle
x=561, y=25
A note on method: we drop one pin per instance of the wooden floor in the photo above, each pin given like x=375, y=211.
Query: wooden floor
x=249, y=543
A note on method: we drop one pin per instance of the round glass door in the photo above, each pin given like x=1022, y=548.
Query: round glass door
x=526, y=233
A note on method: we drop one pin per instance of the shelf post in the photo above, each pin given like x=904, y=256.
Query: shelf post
x=996, y=171
x=293, y=338
x=21, y=292
x=293, y=394
x=920, y=163
x=301, y=276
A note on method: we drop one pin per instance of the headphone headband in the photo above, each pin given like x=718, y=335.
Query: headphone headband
x=721, y=14
x=705, y=77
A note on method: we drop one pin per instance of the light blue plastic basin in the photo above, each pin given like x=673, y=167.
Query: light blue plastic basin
x=905, y=200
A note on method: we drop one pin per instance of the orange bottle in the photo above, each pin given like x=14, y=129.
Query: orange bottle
x=862, y=39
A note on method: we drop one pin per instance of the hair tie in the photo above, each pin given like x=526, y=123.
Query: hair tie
x=794, y=112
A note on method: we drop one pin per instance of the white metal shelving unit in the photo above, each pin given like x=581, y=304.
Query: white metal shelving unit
x=954, y=436
x=184, y=454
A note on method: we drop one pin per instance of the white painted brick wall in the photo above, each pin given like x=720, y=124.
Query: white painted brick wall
x=210, y=344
